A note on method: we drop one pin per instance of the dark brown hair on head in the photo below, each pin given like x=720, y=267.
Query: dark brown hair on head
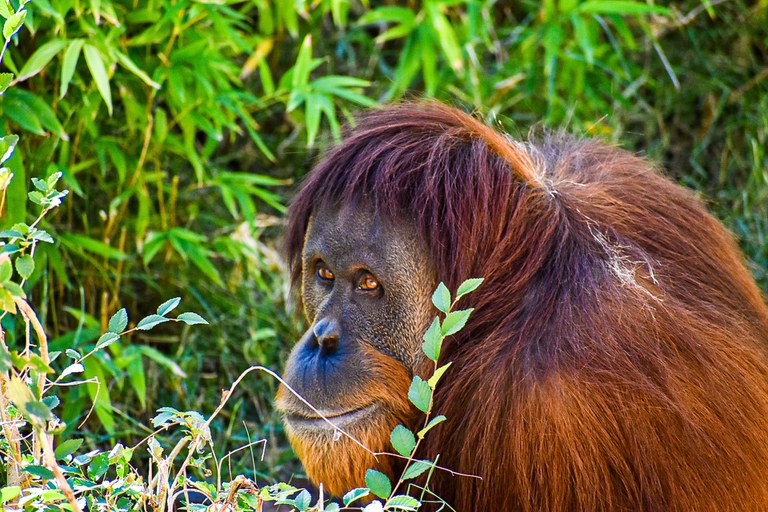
x=616, y=359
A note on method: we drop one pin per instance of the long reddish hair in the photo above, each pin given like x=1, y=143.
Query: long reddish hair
x=616, y=358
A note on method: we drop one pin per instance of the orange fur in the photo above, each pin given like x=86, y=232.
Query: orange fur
x=617, y=357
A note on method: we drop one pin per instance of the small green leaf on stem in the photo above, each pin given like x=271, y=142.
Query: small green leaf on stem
x=151, y=321
x=468, y=286
x=378, y=483
x=106, y=340
x=420, y=394
x=434, y=421
x=442, y=298
x=168, y=306
x=118, y=322
x=403, y=440
x=433, y=340
x=402, y=502
x=354, y=495
x=67, y=447
x=436, y=376
x=455, y=321
x=415, y=469
x=25, y=265
x=192, y=318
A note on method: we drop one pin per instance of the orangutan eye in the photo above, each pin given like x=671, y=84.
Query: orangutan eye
x=368, y=283
x=325, y=273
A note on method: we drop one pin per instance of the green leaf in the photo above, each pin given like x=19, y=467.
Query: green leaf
x=582, y=36
x=67, y=448
x=433, y=340
x=621, y=7
x=5, y=356
x=6, y=270
x=106, y=340
x=25, y=265
x=128, y=64
x=162, y=360
x=402, y=502
x=42, y=56
x=192, y=318
x=354, y=495
x=73, y=368
x=420, y=394
x=6, y=9
x=448, y=42
x=434, y=421
x=68, y=65
x=303, y=500
x=168, y=306
x=137, y=378
x=14, y=288
x=161, y=418
x=52, y=401
x=151, y=321
x=41, y=471
x=436, y=376
x=22, y=114
x=99, y=465
x=42, y=235
x=415, y=469
x=99, y=73
x=388, y=14
x=7, y=145
x=442, y=298
x=303, y=66
x=455, y=321
x=118, y=322
x=82, y=242
x=38, y=409
x=6, y=301
x=13, y=24
x=468, y=286
x=378, y=483
x=9, y=493
x=312, y=117
x=5, y=80
x=403, y=440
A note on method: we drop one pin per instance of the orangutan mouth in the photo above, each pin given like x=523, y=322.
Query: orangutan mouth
x=338, y=419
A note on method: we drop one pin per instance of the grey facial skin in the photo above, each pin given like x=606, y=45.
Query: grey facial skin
x=356, y=249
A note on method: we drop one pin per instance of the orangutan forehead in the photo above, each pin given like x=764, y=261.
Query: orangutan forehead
x=350, y=233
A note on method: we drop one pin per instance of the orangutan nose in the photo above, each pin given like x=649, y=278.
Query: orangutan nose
x=327, y=334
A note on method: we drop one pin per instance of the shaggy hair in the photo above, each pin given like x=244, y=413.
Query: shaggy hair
x=616, y=359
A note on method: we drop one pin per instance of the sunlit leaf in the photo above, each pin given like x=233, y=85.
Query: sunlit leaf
x=42, y=56
x=99, y=73
x=69, y=63
x=150, y=321
x=13, y=24
x=168, y=306
x=455, y=321
x=420, y=394
x=442, y=298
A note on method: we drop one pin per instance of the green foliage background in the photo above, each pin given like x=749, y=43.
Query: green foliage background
x=181, y=127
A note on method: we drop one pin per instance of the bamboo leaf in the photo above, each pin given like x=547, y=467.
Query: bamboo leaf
x=99, y=73
x=69, y=63
x=42, y=56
